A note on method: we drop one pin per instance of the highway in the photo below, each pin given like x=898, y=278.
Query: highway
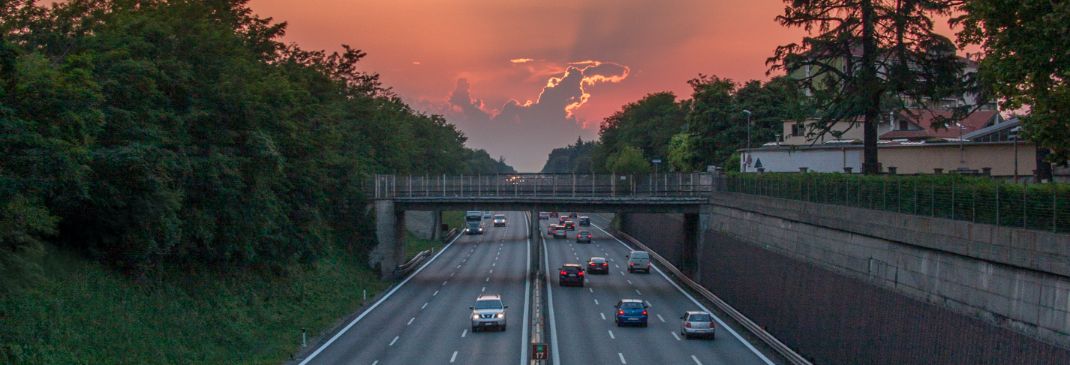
x=426, y=320
x=583, y=317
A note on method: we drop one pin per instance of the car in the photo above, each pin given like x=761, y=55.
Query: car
x=585, y=221
x=639, y=261
x=631, y=312
x=573, y=215
x=474, y=228
x=560, y=232
x=544, y=216
x=597, y=265
x=488, y=312
x=499, y=220
x=551, y=228
x=571, y=274
x=697, y=324
x=487, y=215
x=562, y=219
x=583, y=237
x=570, y=226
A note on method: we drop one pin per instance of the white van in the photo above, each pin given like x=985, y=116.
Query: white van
x=639, y=261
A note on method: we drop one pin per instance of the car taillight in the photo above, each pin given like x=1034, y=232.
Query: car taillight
x=581, y=273
x=631, y=264
x=563, y=272
x=605, y=264
x=644, y=312
x=591, y=264
x=620, y=312
x=687, y=324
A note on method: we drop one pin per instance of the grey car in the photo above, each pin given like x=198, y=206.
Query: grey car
x=489, y=312
x=697, y=324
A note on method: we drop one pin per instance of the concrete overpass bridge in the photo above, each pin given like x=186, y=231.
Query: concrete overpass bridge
x=393, y=195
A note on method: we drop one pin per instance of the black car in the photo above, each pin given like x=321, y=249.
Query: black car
x=570, y=226
x=585, y=221
x=583, y=237
x=598, y=265
x=571, y=274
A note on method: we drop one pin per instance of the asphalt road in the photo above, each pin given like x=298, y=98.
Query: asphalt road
x=583, y=317
x=426, y=320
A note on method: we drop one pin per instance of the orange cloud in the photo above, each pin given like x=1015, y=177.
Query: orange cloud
x=521, y=60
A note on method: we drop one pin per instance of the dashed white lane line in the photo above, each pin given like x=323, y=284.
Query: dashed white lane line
x=621, y=273
x=494, y=264
x=611, y=336
x=463, y=333
x=488, y=279
x=444, y=282
x=453, y=273
x=454, y=357
x=423, y=306
x=603, y=316
x=629, y=282
x=696, y=360
x=622, y=358
x=458, y=266
x=410, y=321
x=591, y=290
x=662, y=319
x=394, y=340
x=435, y=294
x=376, y=362
x=674, y=335
x=491, y=271
x=618, y=266
x=596, y=302
x=638, y=292
x=483, y=290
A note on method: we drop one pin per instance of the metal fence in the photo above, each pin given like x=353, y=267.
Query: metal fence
x=541, y=185
x=1035, y=206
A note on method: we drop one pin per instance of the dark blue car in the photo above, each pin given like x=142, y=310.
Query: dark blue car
x=631, y=312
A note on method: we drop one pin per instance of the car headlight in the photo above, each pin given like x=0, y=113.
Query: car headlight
x=475, y=316
x=501, y=315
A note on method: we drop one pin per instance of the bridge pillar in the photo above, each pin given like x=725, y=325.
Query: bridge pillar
x=390, y=233
x=436, y=225
x=695, y=226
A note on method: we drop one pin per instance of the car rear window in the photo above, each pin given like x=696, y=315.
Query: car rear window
x=699, y=318
x=640, y=255
x=570, y=268
x=598, y=260
x=488, y=304
x=631, y=305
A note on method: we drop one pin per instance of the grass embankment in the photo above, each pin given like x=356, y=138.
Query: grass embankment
x=453, y=218
x=413, y=245
x=81, y=312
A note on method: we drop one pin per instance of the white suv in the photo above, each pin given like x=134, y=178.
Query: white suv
x=489, y=311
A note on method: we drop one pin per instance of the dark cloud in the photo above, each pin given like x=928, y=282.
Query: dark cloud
x=526, y=132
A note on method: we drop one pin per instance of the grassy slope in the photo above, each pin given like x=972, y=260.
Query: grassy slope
x=80, y=312
x=413, y=245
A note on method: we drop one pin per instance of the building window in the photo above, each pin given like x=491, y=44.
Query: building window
x=797, y=129
x=903, y=125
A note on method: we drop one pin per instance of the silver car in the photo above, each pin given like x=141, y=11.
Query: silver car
x=697, y=324
x=489, y=312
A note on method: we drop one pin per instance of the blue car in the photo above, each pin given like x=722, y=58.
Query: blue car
x=631, y=312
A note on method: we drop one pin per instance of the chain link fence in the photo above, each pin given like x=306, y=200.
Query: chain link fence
x=982, y=200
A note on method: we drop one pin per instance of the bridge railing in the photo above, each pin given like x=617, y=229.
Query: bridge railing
x=542, y=185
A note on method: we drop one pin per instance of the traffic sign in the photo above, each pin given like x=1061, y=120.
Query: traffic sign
x=539, y=351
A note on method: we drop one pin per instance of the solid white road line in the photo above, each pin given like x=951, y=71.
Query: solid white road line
x=394, y=340
x=454, y=357
x=696, y=302
x=696, y=360
x=659, y=317
x=622, y=358
x=524, y=340
x=554, y=355
x=376, y=305
x=410, y=321
x=611, y=336
x=463, y=333
x=674, y=335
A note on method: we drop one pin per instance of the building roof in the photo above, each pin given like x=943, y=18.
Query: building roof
x=992, y=129
x=925, y=118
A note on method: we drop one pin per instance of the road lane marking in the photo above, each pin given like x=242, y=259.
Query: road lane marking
x=394, y=340
x=494, y=264
x=458, y=266
x=696, y=360
x=376, y=305
x=596, y=302
x=622, y=358
x=435, y=294
x=491, y=271
x=410, y=321
x=488, y=279
x=444, y=282
x=659, y=317
x=630, y=282
x=611, y=336
x=483, y=290
x=524, y=339
x=638, y=292
x=454, y=357
x=591, y=290
x=621, y=273
x=749, y=346
x=375, y=362
x=603, y=316
x=453, y=273
x=617, y=266
x=423, y=306
x=674, y=335
x=554, y=355
x=465, y=332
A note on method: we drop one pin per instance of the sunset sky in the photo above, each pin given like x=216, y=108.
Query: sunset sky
x=521, y=77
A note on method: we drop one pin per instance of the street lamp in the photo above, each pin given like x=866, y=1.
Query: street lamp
x=747, y=112
x=656, y=161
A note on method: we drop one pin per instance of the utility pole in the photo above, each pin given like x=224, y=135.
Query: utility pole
x=748, y=113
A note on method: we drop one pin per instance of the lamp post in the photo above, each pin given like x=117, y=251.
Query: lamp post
x=748, y=113
x=656, y=162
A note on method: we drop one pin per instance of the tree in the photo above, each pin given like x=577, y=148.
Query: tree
x=868, y=57
x=683, y=154
x=629, y=160
x=1026, y=63
x=647, y=124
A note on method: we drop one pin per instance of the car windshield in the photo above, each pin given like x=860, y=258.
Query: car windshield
x=631, y=305
x=639, y=255
x=488, y=304
x=499, y=216
x=702, y=317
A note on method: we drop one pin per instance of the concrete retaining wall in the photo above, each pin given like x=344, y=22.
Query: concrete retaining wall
x=420, y=223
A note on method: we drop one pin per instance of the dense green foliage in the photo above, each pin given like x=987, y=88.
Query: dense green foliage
x=81, y=312
x=862, y=58
x=1026, y=62
x=142, y=132
x=704, y=130
x=574, y=158
x=977, y=199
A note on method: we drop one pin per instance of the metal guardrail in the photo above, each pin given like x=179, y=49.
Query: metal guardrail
x=541, y=185
x=413, y=263
x=790, y=355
